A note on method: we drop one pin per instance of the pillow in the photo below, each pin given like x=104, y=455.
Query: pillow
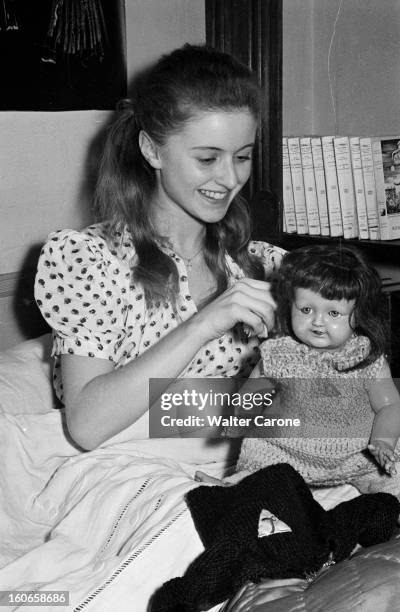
x=367, y=582
x=26, y=378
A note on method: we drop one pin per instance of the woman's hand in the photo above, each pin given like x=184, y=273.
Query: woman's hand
x=248, y=301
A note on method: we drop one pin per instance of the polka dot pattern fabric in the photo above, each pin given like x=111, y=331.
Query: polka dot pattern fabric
x=85, y=292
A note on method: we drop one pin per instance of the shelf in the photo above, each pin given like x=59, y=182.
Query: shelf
x=379, y=251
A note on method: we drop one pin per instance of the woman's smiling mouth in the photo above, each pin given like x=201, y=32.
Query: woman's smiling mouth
x=213, y=195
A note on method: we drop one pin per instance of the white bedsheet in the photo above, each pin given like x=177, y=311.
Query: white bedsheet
x=110, y=526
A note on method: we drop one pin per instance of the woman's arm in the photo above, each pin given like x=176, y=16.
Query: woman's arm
x=385, y=401
x=100, y=401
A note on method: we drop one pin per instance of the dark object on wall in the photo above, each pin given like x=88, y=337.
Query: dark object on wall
x=63, y=55
x=76, y=28
x=8, y=20
x=252, y=31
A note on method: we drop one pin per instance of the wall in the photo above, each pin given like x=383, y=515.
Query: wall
x=43, y=166
x=158, y=26
x=364, y=61
x=44, y=156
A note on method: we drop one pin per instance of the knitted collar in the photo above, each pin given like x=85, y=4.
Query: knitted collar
x=352, y=353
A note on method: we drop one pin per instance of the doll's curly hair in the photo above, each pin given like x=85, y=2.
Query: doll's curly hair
x=335, y=272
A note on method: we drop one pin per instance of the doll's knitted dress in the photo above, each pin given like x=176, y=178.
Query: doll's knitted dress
x=333, y=407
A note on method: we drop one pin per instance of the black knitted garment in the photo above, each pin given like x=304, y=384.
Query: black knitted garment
x=297, y=537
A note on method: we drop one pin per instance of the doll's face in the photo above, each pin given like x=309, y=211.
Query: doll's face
x=320, y=323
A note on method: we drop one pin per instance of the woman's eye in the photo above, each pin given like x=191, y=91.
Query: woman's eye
x=243, y=158
x=305, y=310
x=334, y=314
x=207, y=160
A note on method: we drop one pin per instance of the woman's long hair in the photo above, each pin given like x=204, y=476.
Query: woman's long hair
x=335, y=273
x=188, y=80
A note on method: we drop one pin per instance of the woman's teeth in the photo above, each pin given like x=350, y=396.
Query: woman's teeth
x=214, y=195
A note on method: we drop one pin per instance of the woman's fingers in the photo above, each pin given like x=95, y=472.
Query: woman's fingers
x=248, y=302
x=259, y=290
x=254, y=297
x=255, y=322
x=256, y=313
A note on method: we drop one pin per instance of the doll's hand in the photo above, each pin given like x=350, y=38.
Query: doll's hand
x=206, y=478
x=384, y=455
x=226, y=482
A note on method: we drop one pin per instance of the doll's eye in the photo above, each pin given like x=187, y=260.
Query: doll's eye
x=305, y=310
x=334, y=314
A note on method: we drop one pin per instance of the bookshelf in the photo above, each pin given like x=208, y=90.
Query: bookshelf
x=378, y=251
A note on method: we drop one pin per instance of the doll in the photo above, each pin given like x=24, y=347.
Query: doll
x=330, y=371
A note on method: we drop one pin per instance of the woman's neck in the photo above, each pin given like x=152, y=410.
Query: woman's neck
x=183, y=234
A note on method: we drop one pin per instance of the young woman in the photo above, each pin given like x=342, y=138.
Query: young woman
x=332, y=374
x=156, y=288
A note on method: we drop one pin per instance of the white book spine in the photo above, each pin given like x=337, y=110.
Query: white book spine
x=346, y=187
x=332, y=190
x=298, y=185
x=369, y=187
x=289, y=213
x=380, y=189
x=314, y=228
x=320, y=185
x=359, y=188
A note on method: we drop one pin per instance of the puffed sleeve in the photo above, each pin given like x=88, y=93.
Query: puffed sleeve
x=270, y=255
x=79, y=291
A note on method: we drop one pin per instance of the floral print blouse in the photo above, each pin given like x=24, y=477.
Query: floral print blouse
x=85, y=291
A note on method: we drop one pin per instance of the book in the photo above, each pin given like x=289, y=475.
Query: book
x=386, y=155
x=361, y=205
x=344, y=171
x=320, y=185
x=289, y=213
x=332, y=190
x=367, y=162
x=310, y=192
x=380, y=189
x=296, y=171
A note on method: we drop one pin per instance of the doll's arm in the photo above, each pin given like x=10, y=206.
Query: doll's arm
x=385, y=401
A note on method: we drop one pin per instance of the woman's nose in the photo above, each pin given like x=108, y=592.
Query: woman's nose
x=227, y=176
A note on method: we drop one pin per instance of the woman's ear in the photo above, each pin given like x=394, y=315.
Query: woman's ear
x=149, y=150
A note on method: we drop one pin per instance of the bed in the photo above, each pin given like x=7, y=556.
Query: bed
x=109, y=526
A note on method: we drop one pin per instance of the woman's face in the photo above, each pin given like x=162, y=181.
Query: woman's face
x=203, y=167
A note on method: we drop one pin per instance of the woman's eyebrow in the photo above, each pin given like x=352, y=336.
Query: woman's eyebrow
x=211, y=148
x=207, y=148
